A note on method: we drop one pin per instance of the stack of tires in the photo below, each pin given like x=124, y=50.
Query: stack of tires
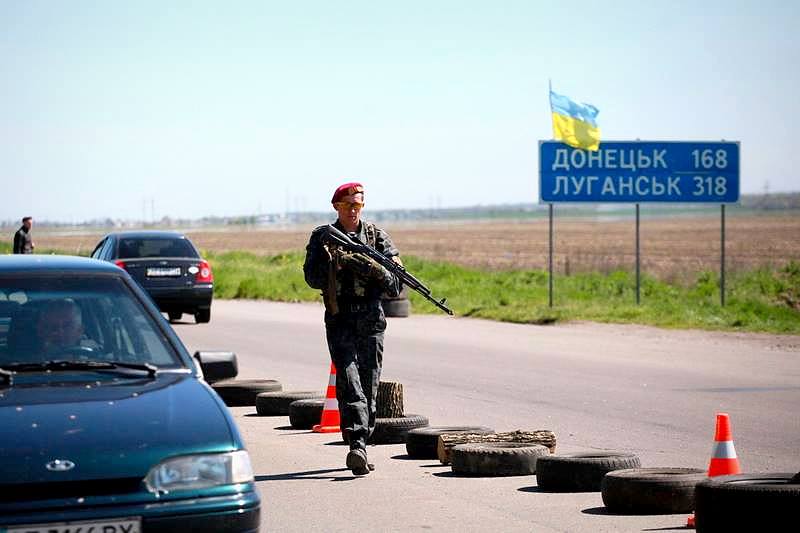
x=398, y=306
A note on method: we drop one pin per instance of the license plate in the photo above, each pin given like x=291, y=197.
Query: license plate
x=119, y=525
x=163, y=272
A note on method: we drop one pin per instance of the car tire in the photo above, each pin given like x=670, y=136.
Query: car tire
x=305, y=414
x=491, y=459
x=746, y=502
x=243, y=392
x=174, y=316
x=651, y=490
x=393, y=430
x=278, y=402
x=396, y=308
x=421, y=443
x=202, y=316
x=580, y=472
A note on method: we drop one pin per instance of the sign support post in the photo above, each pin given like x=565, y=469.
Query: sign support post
x=638, y=280
x=721, y=257
x=550, y=259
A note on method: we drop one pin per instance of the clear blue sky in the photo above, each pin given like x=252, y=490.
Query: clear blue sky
x=108, y=109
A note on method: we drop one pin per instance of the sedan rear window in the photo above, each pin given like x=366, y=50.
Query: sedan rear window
x=130, y=248
x=44, y=318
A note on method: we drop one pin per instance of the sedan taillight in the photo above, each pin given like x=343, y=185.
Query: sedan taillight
x=120, y=264
x=204, y=275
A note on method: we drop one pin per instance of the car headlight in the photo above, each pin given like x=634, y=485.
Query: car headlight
x=199, y=471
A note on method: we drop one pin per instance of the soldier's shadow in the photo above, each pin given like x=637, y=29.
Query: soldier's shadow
x=309, y=474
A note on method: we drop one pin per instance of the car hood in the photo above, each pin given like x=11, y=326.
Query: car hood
x=108, y=428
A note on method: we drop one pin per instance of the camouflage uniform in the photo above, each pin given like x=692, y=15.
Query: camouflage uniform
x=354, y=324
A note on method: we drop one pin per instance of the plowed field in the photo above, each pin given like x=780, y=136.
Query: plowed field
x=671, y=248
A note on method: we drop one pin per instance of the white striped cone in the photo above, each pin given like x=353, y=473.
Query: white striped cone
x=330, y=411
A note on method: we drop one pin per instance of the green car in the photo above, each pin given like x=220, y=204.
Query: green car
x=107, y=424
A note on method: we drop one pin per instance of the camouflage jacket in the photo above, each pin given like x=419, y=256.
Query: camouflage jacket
x=321, y=273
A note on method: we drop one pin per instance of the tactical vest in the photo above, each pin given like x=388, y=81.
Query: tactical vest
x=329, y=295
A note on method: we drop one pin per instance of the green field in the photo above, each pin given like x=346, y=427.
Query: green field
x=763, y=300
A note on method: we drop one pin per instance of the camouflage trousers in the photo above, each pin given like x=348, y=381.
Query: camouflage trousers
x=355, y=342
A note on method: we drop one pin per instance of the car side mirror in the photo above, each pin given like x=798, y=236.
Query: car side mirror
x=217, y=366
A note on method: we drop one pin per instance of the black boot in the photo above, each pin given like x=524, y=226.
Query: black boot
x=357, y=462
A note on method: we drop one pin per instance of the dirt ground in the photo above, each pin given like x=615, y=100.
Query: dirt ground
x=671, y=248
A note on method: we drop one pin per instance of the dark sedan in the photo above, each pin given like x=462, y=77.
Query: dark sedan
x=167, y=265
x=106, y=422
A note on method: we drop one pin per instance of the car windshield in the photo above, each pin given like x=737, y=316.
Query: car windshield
x=78, y=319
x=130, y=248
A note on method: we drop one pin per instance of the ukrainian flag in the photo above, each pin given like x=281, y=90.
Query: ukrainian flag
x=573, y=123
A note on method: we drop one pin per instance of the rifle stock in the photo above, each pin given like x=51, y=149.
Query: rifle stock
x=336, y=236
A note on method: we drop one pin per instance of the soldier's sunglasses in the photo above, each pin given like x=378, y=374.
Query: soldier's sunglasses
x=349, y=205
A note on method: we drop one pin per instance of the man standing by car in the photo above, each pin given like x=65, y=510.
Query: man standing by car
x=351, y=286
x=23, y=242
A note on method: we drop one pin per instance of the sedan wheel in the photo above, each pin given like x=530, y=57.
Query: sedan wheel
x=202, y=316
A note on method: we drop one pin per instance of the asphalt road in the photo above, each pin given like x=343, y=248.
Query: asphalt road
x=645, y=390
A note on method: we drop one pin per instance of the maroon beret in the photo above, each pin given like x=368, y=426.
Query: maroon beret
x=346, y=190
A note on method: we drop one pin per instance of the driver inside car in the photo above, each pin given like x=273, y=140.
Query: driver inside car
x=60, y=330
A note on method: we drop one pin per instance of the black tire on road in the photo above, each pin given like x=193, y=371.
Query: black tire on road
x=580, y=472
x=174, y=316
x=396, y=308
x=651, y=490
x=497, y=458
x=305, y=414
x=747, y=502
x=243, y=392
x=277, y=403
x=202, y=316
x=421, y=443
x=393, y=430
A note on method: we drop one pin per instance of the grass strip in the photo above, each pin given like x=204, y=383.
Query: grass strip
x=761, y=300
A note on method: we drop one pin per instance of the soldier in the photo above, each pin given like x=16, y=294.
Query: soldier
x=23, y=242
x=352, y=285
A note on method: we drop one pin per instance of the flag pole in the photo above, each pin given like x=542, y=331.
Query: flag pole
x=550, y=219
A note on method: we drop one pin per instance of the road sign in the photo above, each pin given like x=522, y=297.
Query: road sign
x=639, y=172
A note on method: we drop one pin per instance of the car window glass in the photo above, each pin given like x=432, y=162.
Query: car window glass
x=155, y=247
x=79, y=318
x=104, y=252
x=96, y=252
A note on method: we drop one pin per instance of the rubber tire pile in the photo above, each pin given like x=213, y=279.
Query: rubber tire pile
x=277, y=403
x=243, y=392
x=421, y=443
x=723, y=503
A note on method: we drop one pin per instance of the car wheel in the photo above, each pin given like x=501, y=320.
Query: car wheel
x=174, y=316
x=202, y=316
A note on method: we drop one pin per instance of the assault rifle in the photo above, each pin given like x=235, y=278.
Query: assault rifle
x=353, y=244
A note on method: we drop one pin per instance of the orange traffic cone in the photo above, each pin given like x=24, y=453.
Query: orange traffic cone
x=723, y=459
x=723, y=456
x=330, y=411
